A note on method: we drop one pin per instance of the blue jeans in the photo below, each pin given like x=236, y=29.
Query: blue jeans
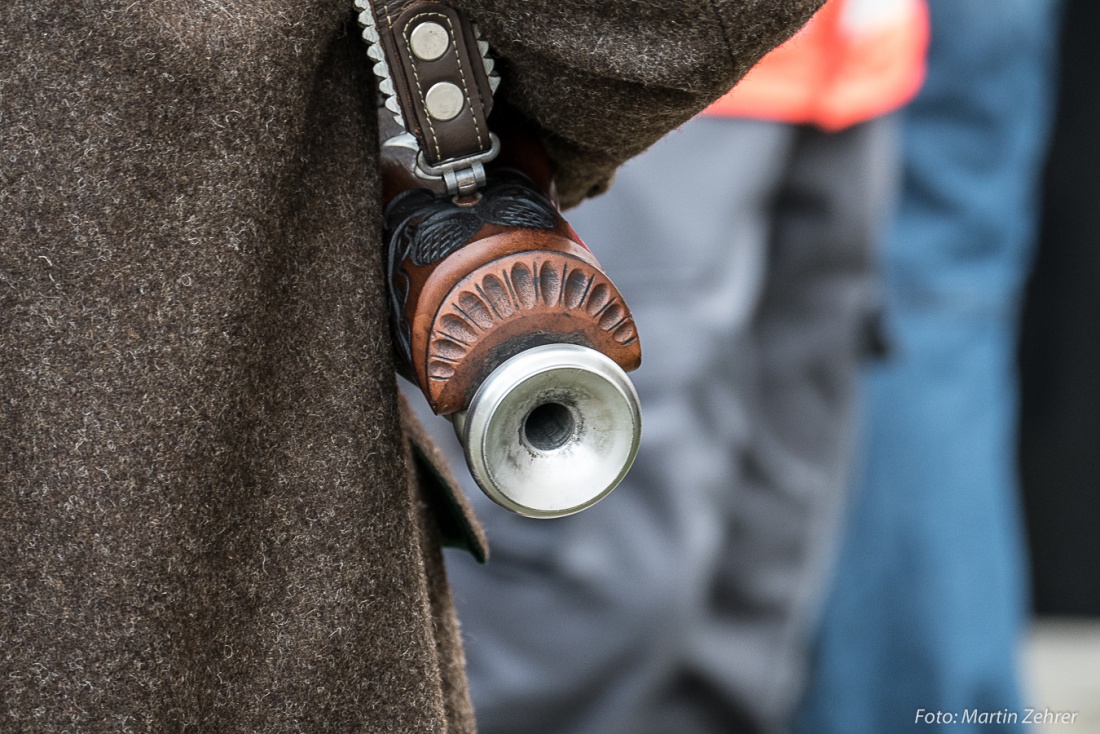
x=929, y=603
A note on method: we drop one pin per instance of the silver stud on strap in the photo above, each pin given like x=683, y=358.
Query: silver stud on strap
x=429, y=41
x=444, y=101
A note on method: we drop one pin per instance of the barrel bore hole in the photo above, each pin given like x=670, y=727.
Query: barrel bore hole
x=549, y=426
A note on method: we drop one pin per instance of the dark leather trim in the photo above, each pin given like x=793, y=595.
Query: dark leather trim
x=454, y=517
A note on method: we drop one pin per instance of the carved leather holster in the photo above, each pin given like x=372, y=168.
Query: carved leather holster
x=475, y=285
x=481, y=264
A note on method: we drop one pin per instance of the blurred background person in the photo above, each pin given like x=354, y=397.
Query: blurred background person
x=1060, y=352
x=929, y=603
x=745, y=245
x=1060, y=394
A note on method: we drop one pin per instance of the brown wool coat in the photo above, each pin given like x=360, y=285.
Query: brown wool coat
x=209, y=518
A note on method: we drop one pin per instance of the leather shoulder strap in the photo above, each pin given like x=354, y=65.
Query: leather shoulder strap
x=438, y=74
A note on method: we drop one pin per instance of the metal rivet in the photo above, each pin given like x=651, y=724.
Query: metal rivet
x=429, y=41
x=444, y=101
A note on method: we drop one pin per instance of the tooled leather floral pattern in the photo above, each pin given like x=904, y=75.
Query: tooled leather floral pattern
x=424, y=228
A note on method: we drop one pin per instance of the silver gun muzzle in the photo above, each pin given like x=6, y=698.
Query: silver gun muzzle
x=552, y=430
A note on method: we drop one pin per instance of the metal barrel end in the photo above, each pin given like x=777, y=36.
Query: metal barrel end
x=552, y=430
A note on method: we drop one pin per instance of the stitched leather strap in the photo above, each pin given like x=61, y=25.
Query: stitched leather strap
x=438, y=75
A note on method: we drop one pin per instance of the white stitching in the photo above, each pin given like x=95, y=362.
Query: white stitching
x=389, y=18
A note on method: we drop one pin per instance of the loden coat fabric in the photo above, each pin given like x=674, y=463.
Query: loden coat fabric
x=210, y=513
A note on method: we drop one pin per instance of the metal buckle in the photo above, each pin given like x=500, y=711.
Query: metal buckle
x=462, y=176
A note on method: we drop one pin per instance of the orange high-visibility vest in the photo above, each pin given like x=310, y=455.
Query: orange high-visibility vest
x=855, y=60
